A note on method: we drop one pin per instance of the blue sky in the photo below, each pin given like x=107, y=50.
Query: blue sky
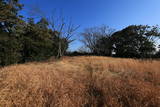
x=88, y=13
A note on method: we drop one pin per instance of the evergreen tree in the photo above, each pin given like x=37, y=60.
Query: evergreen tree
x=9, y=17
x=9, y=29
x=135, y=41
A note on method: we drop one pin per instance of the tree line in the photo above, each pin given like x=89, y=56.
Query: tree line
x=29, y=40
x=134, y=41
x=22, y=41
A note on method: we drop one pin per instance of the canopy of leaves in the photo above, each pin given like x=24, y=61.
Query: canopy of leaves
x=135, y=41
x=22, y=41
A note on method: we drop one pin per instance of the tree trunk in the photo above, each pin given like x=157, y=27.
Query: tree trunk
x=59, y=51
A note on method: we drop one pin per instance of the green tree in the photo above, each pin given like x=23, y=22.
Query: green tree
x=22, y=41
x=9, y=17
x=36, y=42
x=10, y=22
x=104, y=46
x=9, y=50
x=135, y=41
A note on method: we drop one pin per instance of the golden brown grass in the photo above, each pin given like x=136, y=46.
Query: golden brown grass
x=81, y=82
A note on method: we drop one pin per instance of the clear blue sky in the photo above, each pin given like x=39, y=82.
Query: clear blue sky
x=88, y=13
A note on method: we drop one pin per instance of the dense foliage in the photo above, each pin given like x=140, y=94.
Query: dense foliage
x=22, y=41
x=135, y=41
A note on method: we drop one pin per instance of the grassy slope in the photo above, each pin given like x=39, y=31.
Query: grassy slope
x=82, y=81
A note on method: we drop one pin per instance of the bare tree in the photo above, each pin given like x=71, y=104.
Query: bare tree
x=92, y=35
x=65, y=30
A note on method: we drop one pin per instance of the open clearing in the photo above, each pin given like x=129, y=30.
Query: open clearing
x=84, y=81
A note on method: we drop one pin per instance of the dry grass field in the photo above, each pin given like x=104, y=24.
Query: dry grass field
x=81, y=82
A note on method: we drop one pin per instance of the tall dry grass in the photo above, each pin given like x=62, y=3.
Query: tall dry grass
x=81, y=82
